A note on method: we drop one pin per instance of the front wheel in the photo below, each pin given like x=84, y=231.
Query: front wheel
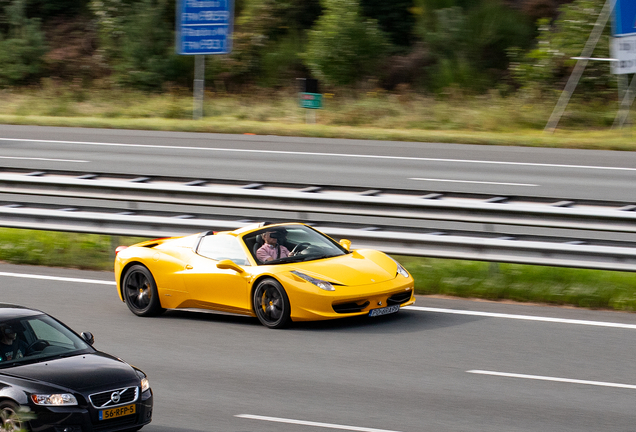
x=140, y=292
x=271, y=304
x=10, y=418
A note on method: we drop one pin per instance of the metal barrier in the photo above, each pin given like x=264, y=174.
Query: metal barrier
x=558, y=234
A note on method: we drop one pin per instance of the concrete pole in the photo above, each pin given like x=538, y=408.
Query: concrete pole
x=199, y=78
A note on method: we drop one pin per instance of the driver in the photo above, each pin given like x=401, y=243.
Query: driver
x=271, y=250
x=11, y=348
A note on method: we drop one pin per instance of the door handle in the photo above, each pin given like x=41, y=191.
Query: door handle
x=189, y=267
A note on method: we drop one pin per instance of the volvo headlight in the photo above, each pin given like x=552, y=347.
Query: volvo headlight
x=318, y=282
x=145, y=384
x=400, y=269
x=54, y=399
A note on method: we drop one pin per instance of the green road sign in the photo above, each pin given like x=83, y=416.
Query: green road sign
x=310, y=100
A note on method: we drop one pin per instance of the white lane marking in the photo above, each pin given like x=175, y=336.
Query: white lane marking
x=57, y=278
x=309, y=423
x=545, y=378
x=218, y=149
x=415, y=308
x=523, y=317
x=471, y=181
x=43, y=159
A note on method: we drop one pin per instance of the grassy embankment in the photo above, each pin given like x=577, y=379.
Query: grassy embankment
x=406, y=117
x=487, y=119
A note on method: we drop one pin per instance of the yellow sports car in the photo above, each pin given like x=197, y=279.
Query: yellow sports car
x=276, y=272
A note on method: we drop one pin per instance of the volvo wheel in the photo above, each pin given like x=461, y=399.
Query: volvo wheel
x=10, y=418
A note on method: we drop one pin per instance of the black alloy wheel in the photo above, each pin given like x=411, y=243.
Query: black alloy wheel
x=10, y=418
x=140, y=292
x=271, y=304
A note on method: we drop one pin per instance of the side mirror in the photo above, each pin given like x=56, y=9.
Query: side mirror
x=227, y=264
x=88, y=337
x=345, y=244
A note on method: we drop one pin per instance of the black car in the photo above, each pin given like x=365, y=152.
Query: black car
x=52, y=379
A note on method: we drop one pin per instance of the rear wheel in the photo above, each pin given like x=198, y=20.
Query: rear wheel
x=271, y=304
x=140, y=292
x=9, y=418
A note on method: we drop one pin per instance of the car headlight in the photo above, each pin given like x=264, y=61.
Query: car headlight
x=318, y=282
x=400, y=269
x=54, y=399
x=145, y=384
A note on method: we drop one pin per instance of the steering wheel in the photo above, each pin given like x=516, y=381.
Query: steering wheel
x=38, y=345
x=299, y=248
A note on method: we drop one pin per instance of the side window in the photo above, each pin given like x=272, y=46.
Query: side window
x=220, y=247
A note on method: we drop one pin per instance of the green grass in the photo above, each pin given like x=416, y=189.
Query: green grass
x=470, y=279
x=584, y=288
x=487, y=119
x=57, y=249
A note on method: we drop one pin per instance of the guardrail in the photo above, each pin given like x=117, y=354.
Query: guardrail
x=488, y=229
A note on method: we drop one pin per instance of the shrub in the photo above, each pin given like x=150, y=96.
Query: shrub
x=343, y=47
x=22, y=47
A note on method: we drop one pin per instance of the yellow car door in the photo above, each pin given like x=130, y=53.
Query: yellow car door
x=211, y=287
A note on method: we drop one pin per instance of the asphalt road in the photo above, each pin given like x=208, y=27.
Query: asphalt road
x=420, y=370
x=426, y=167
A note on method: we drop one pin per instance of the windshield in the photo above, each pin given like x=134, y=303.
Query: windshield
x=290, y=243
x=37, y=338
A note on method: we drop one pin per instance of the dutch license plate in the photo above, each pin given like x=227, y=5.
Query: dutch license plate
x=384, y=311
x=116, y=412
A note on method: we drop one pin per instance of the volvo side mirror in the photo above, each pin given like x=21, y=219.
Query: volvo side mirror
x=88, y=337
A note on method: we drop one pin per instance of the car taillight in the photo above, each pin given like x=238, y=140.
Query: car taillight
x=119, y=249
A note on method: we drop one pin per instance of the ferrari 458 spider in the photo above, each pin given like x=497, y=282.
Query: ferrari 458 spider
x=276, y=272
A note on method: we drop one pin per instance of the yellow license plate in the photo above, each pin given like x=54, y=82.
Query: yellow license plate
x=117, y=412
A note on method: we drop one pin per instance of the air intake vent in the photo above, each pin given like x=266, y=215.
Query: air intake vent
x=399, y=298
x=351, y=307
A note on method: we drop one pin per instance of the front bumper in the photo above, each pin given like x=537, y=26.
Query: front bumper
x=324, y=305
x=85, y=418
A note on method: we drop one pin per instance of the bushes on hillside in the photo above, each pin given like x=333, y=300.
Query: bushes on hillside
x=343, y=46
x=430, y=45
x=22, y=46
x=549, y=64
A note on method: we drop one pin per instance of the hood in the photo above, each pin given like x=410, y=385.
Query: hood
x=361, y=267
x=80, y=372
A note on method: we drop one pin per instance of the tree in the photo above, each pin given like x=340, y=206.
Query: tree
x=343, y=47
x=268, y=37
x=138, y=39
x=469, y=45
x=549, y=64
x=22, y=47
x=395, y=18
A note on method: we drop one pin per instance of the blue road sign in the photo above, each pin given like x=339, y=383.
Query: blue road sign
x=204, y=26
x=624, y=22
